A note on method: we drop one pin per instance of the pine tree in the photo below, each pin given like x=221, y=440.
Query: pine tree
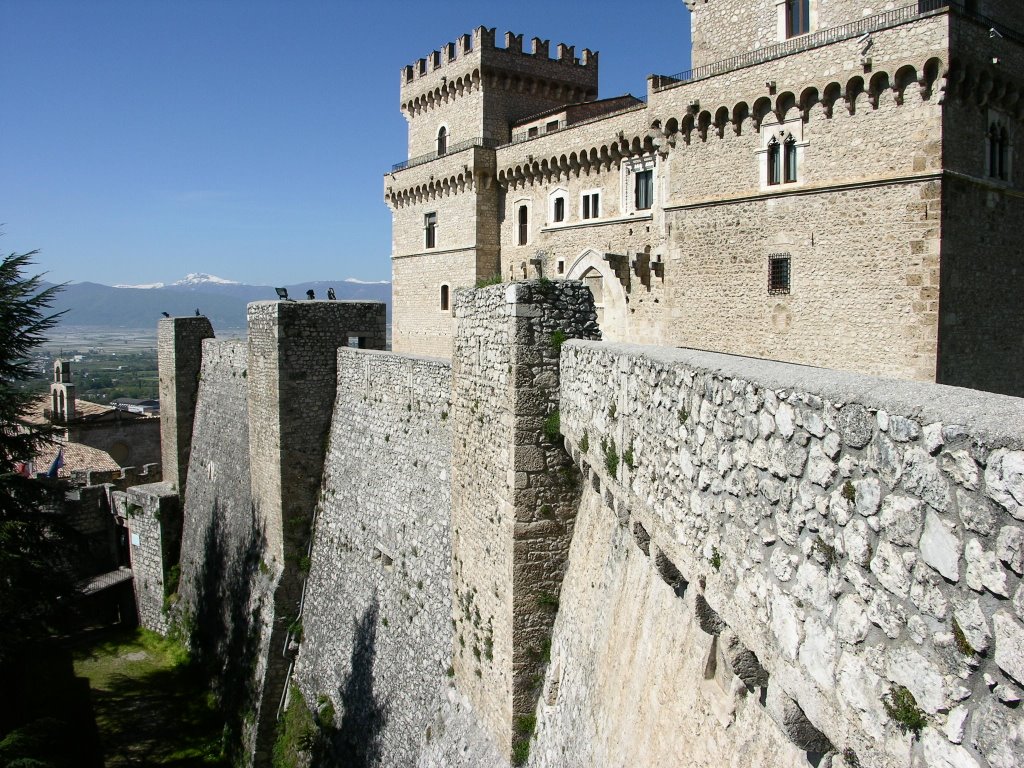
x=33, y=582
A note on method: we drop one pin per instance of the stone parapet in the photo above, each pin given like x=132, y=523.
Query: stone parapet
x=858, y=538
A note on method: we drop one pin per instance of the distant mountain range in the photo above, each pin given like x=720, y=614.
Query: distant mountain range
x=222, y=301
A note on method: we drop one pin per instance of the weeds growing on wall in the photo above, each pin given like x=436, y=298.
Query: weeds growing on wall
x=962, y=643
x=611, y=456
x=483, y=282
x=901, y=706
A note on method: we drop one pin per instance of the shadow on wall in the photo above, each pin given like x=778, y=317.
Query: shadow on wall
x=355, y=742
x=225, y=628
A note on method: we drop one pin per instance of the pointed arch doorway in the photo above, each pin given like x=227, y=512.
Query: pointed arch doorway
x=609, y=296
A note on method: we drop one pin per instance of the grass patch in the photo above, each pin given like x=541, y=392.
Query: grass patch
x=553, y=426
x=296, y=733
x=152, y=705
x=483, y=282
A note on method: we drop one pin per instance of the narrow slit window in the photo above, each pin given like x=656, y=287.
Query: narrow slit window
x=524, y=224
x=442, y=141
x=444, y=298
x=778, y=273
x=430, y=230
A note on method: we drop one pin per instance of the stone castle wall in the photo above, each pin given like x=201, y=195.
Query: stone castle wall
x=225, y=588
x=842, y=535
x=179, y=354
x=152, y=515
x=378, y=601
x=762, y=554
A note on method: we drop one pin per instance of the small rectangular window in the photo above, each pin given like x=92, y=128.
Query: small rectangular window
x=524, y=224
x=430, y=230
x=551, y=127
x=558, y=214
x=644, y=190
x=531, y=132
x=778, y=273
x=592, y=205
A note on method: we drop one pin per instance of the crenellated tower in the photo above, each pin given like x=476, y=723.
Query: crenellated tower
x=460, y=102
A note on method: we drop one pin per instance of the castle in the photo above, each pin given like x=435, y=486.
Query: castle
x=543, y=546
x=833, y=183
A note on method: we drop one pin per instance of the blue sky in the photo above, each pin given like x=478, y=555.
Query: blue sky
x=144, y=139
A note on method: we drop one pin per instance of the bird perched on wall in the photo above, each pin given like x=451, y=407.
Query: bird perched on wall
x=310, y=295
x=166, y=314
x=330, y=294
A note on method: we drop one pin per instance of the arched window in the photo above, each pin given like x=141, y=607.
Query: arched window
x=774, y=162
x=790, y=160
x=993, y=150
x=798, y=17
x=444, y=298
x=998, y=141
x=1004, y=154
x=524, y=225
x=442, y=141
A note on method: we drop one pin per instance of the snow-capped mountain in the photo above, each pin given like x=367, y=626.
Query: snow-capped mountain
x=191, y=280
x=202, y=278
x=223, y=301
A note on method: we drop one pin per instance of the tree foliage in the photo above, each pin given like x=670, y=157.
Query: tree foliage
x=33, y=549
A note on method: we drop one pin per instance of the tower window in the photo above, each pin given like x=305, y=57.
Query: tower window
x=789, y=164
x=782, y=160
x=778, y=273
x=798, y=17
x=558, y=211
x=444, y=298
x=998, y=151
x=442, y=141
x=430, y=230
x=523, y=215
x=644, y=190
x=774, y=162
x=591, y=205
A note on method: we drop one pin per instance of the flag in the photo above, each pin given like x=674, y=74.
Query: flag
x=23, y=468
x=57, y=464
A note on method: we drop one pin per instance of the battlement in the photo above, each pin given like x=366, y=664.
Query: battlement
x=483, y=40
